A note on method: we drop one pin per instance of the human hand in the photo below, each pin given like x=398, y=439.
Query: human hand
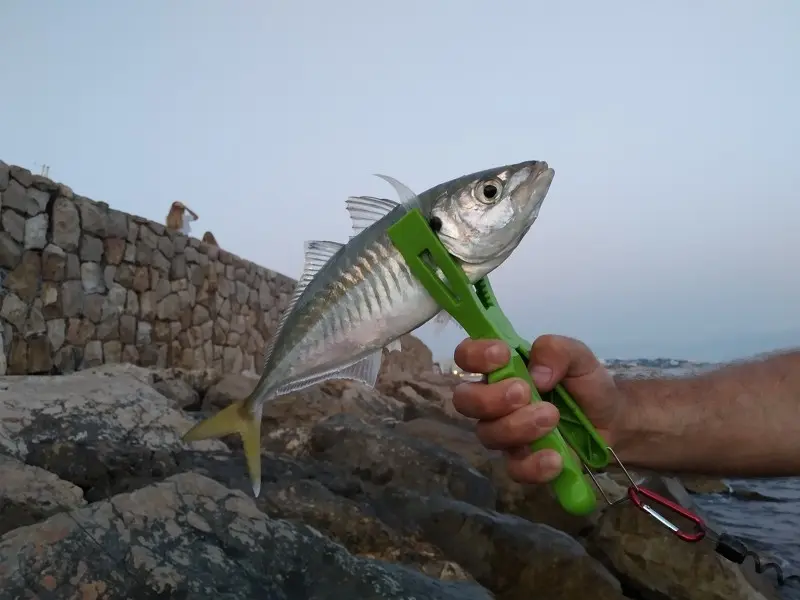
x=506, y=418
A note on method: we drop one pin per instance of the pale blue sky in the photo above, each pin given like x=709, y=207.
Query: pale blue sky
x=672, y=224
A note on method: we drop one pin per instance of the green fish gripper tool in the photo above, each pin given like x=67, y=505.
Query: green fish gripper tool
x=477, y=311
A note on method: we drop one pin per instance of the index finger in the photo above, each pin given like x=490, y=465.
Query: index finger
x=482, y=356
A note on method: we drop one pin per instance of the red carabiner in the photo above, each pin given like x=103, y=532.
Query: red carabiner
x=636, y=493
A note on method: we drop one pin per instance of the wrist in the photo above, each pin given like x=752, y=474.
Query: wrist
x=639, y=424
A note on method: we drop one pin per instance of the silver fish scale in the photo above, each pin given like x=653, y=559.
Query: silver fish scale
x=363, y=296
x=366, y=300
x=370, y=288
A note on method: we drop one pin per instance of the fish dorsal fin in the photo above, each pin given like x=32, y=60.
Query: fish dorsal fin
x=317, y=254
x=406, y=195
x=366, y=210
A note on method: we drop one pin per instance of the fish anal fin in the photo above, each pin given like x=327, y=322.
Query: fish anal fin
x=365, y=370
x=236, y=418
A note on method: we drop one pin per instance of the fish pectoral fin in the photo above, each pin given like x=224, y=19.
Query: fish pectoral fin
x=236, y=418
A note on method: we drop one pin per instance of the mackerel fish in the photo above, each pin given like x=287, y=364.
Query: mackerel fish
x=354, y=299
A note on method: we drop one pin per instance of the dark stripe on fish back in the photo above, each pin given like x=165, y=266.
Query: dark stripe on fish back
x=382, y=273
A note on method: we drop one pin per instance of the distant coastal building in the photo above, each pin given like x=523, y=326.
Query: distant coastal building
x=451, y=368
x=633, y=367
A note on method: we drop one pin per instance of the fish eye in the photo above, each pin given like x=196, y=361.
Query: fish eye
x=489, y=192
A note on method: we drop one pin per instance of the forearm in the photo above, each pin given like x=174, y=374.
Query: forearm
x=740, y=420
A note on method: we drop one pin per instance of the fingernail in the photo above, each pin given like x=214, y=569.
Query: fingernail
x=517, y=395
x=541, y=375
x=496, y=354
x=550, y=463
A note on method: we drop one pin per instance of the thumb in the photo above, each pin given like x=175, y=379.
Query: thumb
x=555, y=357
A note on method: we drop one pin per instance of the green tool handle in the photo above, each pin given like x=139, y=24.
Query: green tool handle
x=574, y=426
x=571, y=488
x=476, y=311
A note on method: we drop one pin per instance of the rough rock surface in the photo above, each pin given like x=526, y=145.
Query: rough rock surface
x=87, y=405
x=415, y=358
x=625, y=538
x=191, y=537
x=365, y=495
x=29, y=494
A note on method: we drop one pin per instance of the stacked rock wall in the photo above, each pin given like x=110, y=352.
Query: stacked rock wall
x=82, y=284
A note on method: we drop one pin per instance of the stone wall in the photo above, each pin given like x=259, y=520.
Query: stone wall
x=82, y=284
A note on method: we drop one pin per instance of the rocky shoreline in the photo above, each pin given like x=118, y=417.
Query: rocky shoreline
x=367, y=494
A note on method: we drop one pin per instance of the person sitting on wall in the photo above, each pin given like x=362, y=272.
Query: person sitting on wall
x=179, y=218
x=209, y=239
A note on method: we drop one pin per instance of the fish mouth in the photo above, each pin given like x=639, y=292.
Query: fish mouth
x=541, y=184
x=531, y=201
x=538, y=192
x=532, y=195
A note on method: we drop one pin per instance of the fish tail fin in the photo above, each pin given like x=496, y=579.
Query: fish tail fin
x=236, y=418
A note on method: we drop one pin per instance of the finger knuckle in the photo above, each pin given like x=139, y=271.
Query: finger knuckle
x=525, y=471
x=545, y=339
x=493, y=435
x=461, y=352
x=460, y=397
x=484, y=433
x=509, y=431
